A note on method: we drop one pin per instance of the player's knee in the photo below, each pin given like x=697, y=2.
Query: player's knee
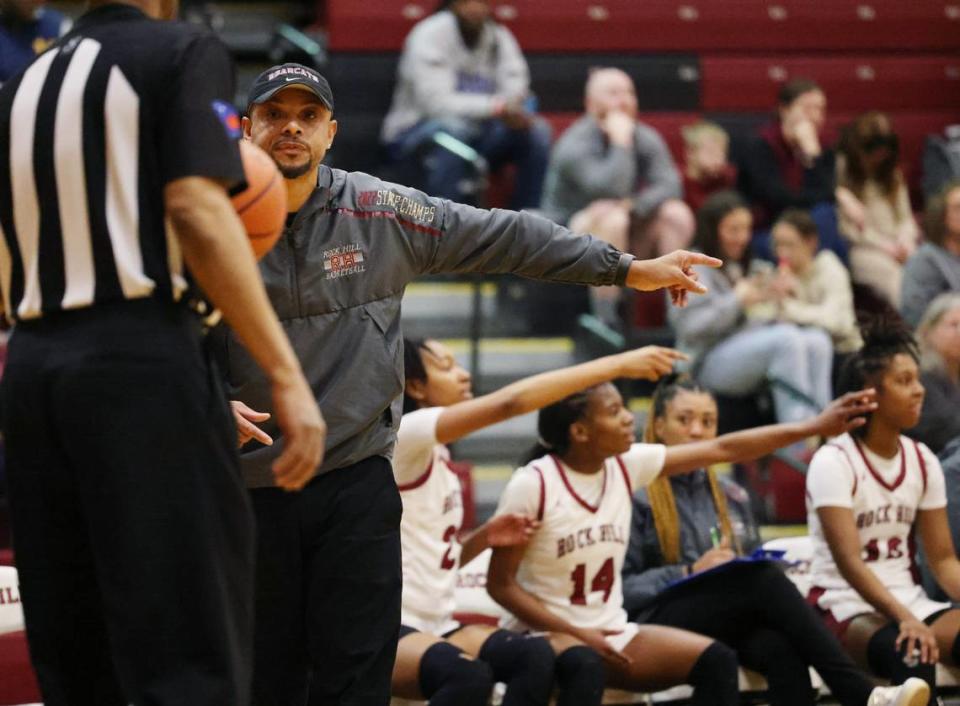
x=445, y=668
x=523, y=662
x=580, y=667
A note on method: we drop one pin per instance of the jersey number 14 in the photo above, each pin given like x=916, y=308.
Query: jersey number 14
x=602, y=581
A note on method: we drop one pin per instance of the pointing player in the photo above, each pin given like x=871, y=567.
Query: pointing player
x=440, y=409
x=567, y=579
x=328, y=582
x=868, y=492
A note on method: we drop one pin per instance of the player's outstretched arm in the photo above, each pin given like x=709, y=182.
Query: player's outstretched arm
x=841, y=415
x=538, y=391
x=219, y=256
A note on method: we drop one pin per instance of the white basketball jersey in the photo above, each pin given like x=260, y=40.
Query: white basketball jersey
x=432, y=517
x=884, y=497
x=573, y=562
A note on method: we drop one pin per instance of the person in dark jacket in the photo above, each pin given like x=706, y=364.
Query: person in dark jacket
x=684, y=526
x=328, y=582
x=939, y=338
x=787, y=165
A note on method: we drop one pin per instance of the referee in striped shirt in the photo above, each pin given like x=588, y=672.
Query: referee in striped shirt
x=132, y=531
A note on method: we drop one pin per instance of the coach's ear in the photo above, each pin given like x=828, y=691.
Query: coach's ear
x=246, y=126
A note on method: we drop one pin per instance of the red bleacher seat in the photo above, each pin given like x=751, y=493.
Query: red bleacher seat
x=850, y=82
x=673, y=25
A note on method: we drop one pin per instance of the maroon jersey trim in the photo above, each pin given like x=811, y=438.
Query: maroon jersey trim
x=587, y=506
x=873, y=471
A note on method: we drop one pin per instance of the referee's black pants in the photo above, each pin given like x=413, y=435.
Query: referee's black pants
x=328, y=589
x=132, y=530
x=756, y=610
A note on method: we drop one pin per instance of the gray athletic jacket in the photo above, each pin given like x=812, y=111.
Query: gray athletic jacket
x=336, y=278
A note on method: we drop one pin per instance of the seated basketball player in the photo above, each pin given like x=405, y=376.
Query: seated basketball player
x=764, y=617
x=567, y=578
x=868, y=493
x=439, y=409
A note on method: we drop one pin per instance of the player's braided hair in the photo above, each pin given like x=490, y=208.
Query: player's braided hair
x=413, y=368
x=553, y=425
x=660, y=493
x=883, y=337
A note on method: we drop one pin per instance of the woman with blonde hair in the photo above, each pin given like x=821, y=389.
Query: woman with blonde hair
x=939, y=337
x=873, y=205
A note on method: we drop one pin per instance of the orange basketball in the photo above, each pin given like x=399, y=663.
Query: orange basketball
x=262, y=206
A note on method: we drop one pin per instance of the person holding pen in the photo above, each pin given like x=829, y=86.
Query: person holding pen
x=685, y=525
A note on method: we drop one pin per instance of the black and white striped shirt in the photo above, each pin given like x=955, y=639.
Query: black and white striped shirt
x=90, y=133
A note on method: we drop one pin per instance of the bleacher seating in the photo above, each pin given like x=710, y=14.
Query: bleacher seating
x=673, y=25
x=851, y=83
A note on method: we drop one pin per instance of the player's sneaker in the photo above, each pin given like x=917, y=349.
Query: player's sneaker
x=913, y=692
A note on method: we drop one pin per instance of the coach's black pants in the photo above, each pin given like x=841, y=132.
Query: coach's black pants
x=328, y=589
x=132, y=530
x=756, y=610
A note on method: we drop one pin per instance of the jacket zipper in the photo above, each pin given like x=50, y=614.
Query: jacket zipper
x=294, y=274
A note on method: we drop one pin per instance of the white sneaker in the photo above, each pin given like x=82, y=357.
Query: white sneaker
x=913, y=692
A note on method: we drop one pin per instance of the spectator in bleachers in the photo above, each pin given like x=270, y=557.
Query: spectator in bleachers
x=935, y=267
x=612, y=176
x=950, y=460
x=812, y=288
x=941, y=160
x=706, y=168
x=737, y=347
x=939, y=337
x=463, y=74
x=788, y=166
x=686, y=525
x=873, y=206
x=27, y=28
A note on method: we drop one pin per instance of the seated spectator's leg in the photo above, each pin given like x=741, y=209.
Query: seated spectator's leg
x=609, y=220
x=770, y=653
x=819, y=349
x=877, y=270
x=671, y=227
x=825, y=216
x=449, y=175
x=528, y=149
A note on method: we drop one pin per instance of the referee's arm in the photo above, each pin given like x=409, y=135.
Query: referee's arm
x=218, y=254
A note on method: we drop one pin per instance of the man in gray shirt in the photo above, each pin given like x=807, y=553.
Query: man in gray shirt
x=613, y=176
x=463, y=74
x=328, y=564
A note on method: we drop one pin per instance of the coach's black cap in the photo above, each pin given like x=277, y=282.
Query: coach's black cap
x=277, y=78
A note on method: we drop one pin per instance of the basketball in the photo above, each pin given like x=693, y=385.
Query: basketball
x=262, y=206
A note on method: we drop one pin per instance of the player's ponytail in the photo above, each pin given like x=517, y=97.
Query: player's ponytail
x=553, y=426
x=663, y=505
x=884, y=337
x=413, y=369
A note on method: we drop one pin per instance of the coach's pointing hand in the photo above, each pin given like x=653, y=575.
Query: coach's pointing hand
x=304, y=433
x=673, y=271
